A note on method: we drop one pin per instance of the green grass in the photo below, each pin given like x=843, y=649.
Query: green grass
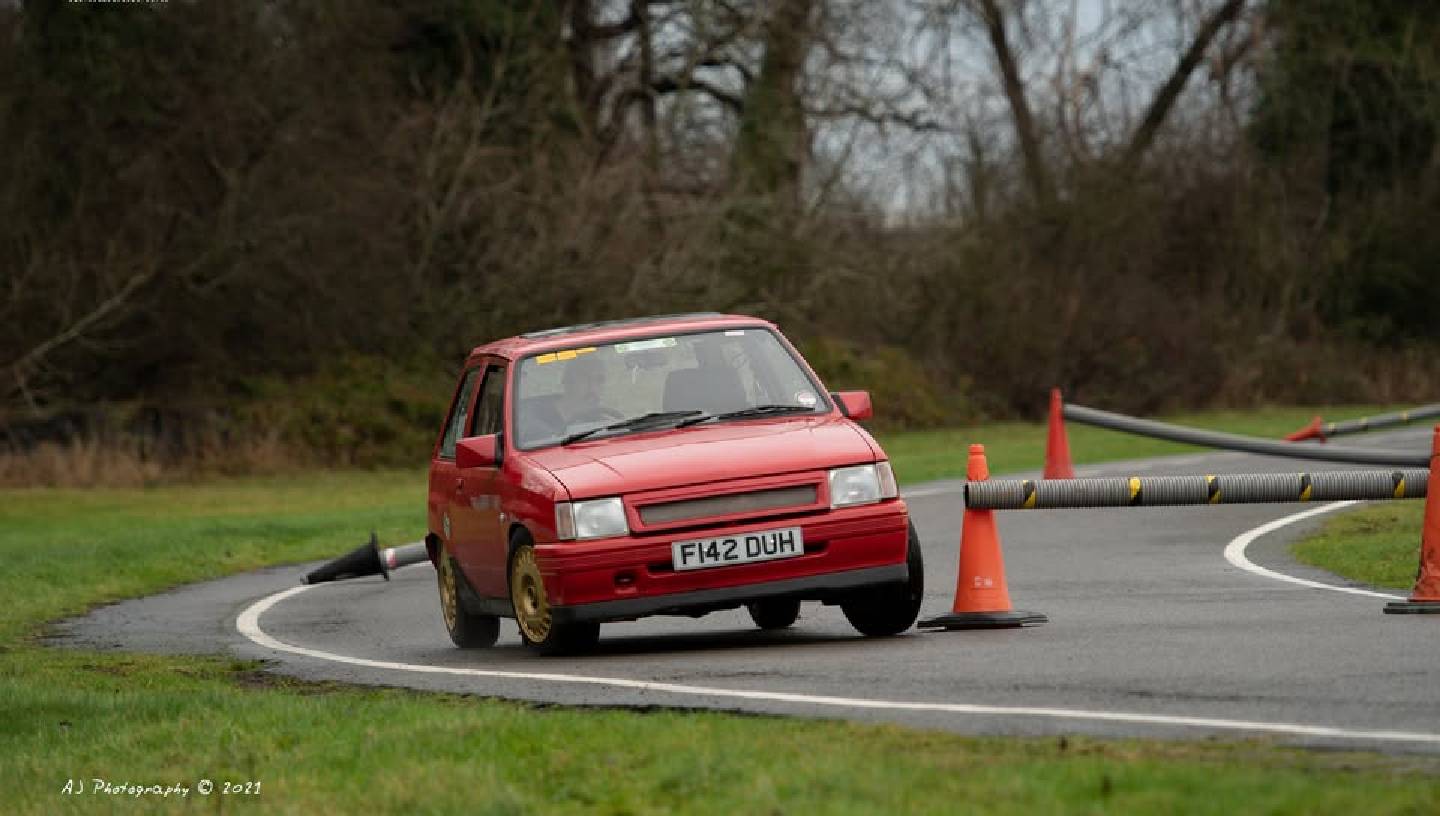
x=1379, y=544
x=320, y=749
x=72, y=714
x=66, y=550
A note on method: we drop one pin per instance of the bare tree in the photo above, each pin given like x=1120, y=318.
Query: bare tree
x=774, y=135
x=1025, y=130
x=1166, y=96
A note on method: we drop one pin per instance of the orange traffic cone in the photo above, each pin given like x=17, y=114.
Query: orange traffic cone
x=982, y=600
x=1425, y=597
x=1057, y=447
x=1315, y=430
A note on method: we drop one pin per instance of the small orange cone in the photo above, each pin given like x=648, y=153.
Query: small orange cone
x=1315, y=430
x=1057, y=447
x=982, y=601
x=1425, y=597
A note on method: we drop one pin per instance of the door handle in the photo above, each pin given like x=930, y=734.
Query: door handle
x=459, y=485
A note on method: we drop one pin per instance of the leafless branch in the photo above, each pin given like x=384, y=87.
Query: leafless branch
x=913, y=120
x=21, y=366
x=1025, y=130
x=1168, y=93
x=670, y=84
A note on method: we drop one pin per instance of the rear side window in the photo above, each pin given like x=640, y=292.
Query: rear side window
x=490, y=410
x=459, y=414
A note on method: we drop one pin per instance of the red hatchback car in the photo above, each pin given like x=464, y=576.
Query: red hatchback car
x=664, y=465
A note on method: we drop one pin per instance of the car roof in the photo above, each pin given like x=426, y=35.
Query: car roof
x=609, y=331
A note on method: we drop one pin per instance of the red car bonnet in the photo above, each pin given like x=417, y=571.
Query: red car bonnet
x=673, y=458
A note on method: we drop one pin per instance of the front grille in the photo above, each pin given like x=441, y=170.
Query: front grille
x=712, y=506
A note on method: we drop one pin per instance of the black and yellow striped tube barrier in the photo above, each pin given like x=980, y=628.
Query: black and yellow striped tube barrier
x=1171, y=491
x=1247, y=444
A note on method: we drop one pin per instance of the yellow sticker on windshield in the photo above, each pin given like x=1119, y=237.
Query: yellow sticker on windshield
x=568, y=354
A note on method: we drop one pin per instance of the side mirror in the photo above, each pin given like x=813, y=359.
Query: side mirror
x=478, y=451
x=854, y=404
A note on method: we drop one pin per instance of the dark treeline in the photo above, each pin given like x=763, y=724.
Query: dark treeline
x=231, y=225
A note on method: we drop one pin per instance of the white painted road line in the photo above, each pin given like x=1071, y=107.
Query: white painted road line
x=1235, y=552
x=248, y=624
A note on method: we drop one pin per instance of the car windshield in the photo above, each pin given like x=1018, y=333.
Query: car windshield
x=658, y=382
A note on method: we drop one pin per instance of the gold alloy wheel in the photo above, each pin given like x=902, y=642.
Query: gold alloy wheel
x=449, y=593
x=527, y=593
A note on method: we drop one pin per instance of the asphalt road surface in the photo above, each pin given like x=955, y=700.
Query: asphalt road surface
x=1153, y=632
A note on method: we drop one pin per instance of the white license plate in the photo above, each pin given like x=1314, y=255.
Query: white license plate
x=741, y=548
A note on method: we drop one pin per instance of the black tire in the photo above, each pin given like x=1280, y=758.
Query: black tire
x=890, y=610
x=467, y=629
x=532, y=610
x=570, y=639
x=774, y=613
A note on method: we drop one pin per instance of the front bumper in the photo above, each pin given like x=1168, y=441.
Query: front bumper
x=633, y=576
x=725, y=597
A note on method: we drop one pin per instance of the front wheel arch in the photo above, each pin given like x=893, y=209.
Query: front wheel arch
x=517, y=534
x=563, y=638
x=892, y=609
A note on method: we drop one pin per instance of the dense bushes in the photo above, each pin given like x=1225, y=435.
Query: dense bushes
x=279, y=232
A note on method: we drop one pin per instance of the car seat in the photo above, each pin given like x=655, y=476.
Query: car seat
x=712, y=389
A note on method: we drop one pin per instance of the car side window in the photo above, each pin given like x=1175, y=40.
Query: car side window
x=490, y=411
x=459, y=414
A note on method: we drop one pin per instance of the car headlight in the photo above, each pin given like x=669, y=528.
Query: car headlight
x=862, y=484
x=598, y=518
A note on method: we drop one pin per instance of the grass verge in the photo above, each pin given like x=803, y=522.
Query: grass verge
x=1378, y=545
x=151, y=720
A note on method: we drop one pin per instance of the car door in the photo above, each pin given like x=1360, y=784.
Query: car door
x=475, y=515
x=443, y=473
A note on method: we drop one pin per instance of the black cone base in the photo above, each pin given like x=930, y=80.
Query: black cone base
x=362, y=561
x=1413, y=608
x=983, y=620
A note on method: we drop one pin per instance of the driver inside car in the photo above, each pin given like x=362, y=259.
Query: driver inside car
x=581, y=384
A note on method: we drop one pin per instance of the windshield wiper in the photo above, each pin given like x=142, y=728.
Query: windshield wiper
x=756, y=411
x=631, y=424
